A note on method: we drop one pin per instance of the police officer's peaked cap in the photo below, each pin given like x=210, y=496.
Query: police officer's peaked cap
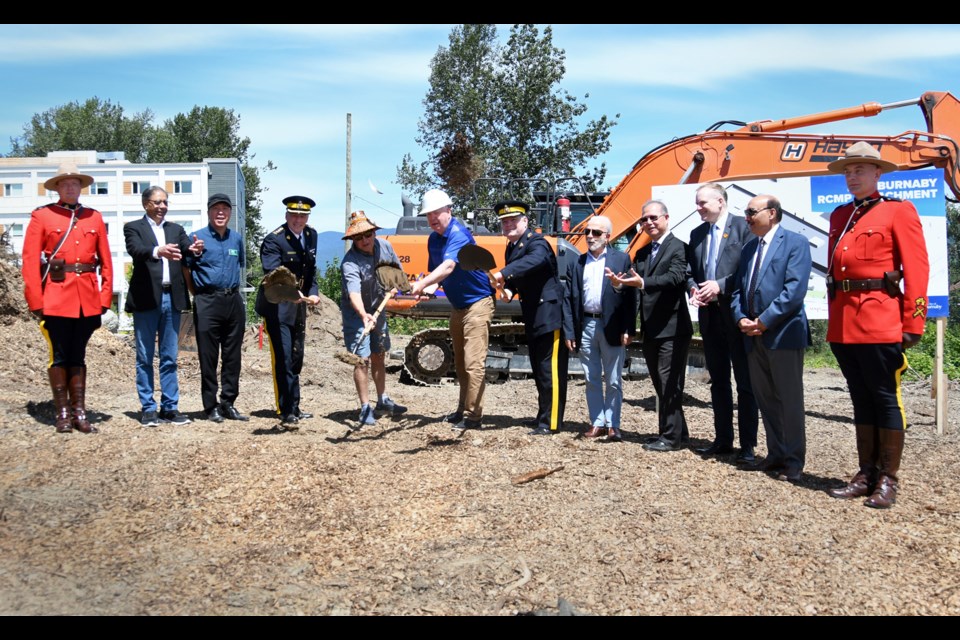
x=299, y=204
x=511, y=208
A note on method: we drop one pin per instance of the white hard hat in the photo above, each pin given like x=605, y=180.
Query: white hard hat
x=434, y=199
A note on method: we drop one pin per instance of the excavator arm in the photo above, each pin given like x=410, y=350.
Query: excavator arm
x=773, y=149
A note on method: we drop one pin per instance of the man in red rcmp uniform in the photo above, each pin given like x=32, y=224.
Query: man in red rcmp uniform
x=63, y=248
x=876, y=243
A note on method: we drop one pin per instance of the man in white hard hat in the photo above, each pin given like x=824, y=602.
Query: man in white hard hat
x=471, y=297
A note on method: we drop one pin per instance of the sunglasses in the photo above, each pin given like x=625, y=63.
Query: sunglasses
x=364, y=236
x=157, y=202
x=649, y=219
x=752, y=212
x=596, y=233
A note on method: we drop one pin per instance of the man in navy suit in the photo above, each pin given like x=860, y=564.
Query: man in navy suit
x=659, y=272
x=157, y=296
x=772, y=283
x=601, y=322
x=713, y=257
x=531, y=271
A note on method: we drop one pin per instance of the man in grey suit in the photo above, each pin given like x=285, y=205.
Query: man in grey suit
x=773, y=279
x=157, y=296
x=713, y=257
x=602, y=321
x=659, y=272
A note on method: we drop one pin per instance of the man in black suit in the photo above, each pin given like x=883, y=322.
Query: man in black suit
x=601, y=322
x=713, y=257
x=531, y=271
x=660, y=272
x=292, y=245
x=157, y=296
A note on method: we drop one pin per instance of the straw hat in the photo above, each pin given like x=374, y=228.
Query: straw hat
x=359, y=223
x=864, y=153
x=68, y=170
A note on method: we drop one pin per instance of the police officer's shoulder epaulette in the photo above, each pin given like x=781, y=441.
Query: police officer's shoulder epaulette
x=278, y=231
x=890, y=199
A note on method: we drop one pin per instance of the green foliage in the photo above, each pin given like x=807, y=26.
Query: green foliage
x=922, y=357
x=495, y=110
x=204, y=132
x=819, y=354
x=403, y=326
x=328, y=280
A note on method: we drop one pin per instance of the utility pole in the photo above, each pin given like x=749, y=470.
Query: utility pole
x=346, y=243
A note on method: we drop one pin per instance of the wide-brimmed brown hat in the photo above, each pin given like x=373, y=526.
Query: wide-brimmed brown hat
x=68, y=170
x=359, y=223
x=861, y=152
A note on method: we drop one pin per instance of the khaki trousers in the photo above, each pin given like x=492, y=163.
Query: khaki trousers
x=470, y=330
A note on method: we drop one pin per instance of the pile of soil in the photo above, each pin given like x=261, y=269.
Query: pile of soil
x=402, y=518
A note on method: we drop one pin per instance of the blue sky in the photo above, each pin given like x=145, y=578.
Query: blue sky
x=293, y=85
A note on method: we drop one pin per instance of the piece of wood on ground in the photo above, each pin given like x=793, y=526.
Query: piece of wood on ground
x=534, y=475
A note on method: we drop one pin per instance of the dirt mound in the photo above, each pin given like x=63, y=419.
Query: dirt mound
x=13, y=306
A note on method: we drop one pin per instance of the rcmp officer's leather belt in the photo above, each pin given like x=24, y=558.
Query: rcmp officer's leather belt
x=592, y=315
x=80, y=267
x=224, y=292
x=890, y=282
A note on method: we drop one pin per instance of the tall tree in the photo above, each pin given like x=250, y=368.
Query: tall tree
x=499, y=111
x=94, y=124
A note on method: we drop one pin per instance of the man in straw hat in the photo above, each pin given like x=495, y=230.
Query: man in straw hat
x=64, y=247
x=531, y=271
x=876, y=245
x=471, y=297
x=360, y=296
x=292, y=245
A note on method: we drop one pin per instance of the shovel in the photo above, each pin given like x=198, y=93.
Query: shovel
x=473, y=257
x=394, y=280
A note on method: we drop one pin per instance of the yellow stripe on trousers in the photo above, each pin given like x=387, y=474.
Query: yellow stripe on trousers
x=555, y=382
x=903, y=414
x=46, y=336
x=273, y=375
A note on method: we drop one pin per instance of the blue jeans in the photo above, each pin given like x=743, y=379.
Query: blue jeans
x=149, y=328
x=601, y=360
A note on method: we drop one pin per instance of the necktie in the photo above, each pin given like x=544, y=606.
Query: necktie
x=654, y=248
x=753, y=280
x=712, y=258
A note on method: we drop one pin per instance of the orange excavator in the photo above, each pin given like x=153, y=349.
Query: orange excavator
x=757, y=150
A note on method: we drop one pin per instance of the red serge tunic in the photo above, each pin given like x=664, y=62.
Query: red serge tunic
x=887, y=237
x=86, y=244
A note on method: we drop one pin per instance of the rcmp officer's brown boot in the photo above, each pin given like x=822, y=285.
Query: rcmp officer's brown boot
x=78, y=388
x=868, y=451
x=891, y=450
x=61, y=401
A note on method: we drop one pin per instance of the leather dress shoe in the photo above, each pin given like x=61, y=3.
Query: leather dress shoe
x=746, y=456
x=290, y=422
x=613, y=435
x=230, y=413
x=766, y=466
x=214, y=415
x=595, y=432
x=715, y=449
x=650, y=439
x=302, y=415
x=541, y=431
x=660, y=445
x=789, y=476
x=454, y=417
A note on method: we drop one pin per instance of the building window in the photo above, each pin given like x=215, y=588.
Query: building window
x=187, y=226
x=183, y=186
x=140, y=187
x=13, y=190
x=99, y=189
x=16, y=230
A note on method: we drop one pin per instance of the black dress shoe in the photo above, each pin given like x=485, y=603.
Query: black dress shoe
x=613, y=435
x=290, y=422
x=660, y=445
x=789, y=476
x=230, y=413
x=214, y=415
x=715, y=450
x=541, y=431
x=454, y=417
x=650, y=439
x=302, y=415
x=746, y=456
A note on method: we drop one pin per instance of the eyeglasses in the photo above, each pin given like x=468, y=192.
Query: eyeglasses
x=649, y=219
x=157, y=203
x=596, y=233
x=752, y=212
x=364, y=236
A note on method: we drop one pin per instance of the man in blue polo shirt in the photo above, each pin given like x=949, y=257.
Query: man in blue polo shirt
x=471, y=297
x=219, y=315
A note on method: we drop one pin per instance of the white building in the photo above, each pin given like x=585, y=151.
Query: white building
x=116, y=193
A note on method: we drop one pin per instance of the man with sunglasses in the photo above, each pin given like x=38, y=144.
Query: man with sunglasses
x=156, y=298
x=360, y=295
x=660, y=272
x=292, y=245
x=531, y=271
x=713, y=257
x=600, y=322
